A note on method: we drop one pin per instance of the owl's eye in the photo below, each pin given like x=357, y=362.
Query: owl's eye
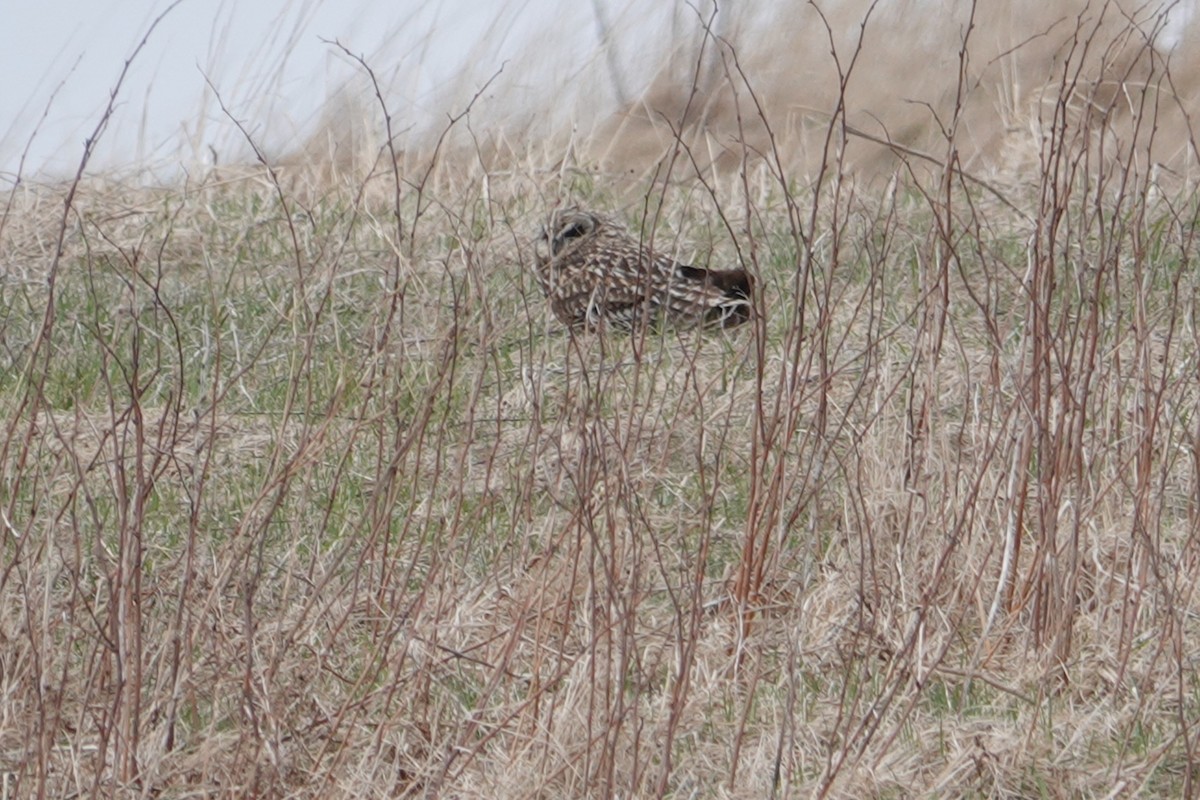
x=576, y=230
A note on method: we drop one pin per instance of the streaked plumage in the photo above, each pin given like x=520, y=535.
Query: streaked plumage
x=592, y=271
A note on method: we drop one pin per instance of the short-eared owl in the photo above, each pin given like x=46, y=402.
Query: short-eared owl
x=592, y=270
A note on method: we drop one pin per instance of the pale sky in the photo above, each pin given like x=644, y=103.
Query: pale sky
x=265, y=58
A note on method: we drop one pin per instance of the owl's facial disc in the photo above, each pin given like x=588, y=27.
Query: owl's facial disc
x=572, y=227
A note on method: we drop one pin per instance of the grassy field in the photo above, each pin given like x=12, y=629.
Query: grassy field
x=305, y=493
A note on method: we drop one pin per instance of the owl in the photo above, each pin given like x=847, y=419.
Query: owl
x=594, y=273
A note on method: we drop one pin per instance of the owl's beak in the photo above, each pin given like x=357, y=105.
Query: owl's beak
x=541, y=246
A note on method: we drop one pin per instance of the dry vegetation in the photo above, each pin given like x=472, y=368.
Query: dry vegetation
x=305, y=494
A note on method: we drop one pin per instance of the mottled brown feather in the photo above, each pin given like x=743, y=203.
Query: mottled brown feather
x=593, y=272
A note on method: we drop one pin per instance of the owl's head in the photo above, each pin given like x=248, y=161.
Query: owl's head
x=566, y=229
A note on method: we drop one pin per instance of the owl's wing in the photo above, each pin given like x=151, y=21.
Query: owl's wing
x=629, y=286
x=614, y=281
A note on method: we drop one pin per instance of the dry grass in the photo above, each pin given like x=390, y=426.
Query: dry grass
x=304, y=492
